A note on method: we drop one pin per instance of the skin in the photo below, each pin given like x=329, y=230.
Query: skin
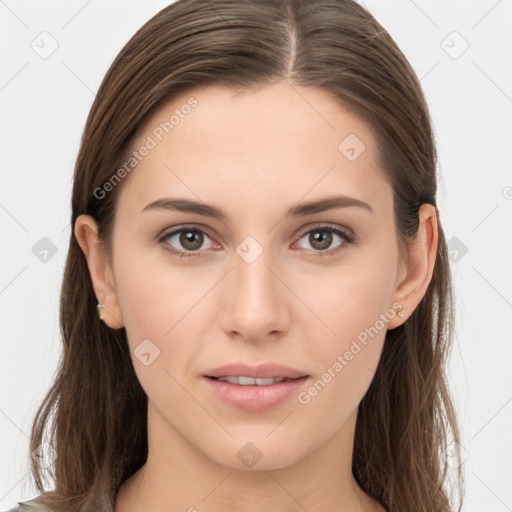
x=254, y=155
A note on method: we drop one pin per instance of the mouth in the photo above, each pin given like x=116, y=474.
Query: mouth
x=251, y=381
x=255, y=389
x=259, y=374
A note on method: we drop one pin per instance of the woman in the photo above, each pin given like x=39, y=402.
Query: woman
x=257, y=304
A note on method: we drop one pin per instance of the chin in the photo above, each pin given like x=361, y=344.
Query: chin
x=255, y=454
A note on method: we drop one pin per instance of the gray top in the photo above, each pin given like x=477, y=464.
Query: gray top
x=28, y=506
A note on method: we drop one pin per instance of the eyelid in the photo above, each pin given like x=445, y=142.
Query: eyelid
x=167, y=232
x=304, y=230
x=327, y=226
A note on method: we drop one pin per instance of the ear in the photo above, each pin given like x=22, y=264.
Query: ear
x=417, y=271
x=86, y=233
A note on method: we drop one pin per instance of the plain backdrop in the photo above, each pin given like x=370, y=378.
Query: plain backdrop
x=461, y=51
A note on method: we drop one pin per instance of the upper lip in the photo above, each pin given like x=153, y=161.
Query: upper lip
x=266, y=370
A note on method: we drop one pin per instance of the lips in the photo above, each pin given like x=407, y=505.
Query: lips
x=255, y=388
x=262, y=371
x=250, y=381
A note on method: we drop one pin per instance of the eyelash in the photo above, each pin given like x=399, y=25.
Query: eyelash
x=347, y=237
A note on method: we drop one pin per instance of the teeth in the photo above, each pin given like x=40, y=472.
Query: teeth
x=250, y=381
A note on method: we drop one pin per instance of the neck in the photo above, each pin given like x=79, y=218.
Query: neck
x=177, y=477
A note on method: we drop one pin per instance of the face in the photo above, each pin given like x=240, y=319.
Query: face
x=311, y=289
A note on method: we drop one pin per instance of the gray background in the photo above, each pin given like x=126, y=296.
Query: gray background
x=44, y=101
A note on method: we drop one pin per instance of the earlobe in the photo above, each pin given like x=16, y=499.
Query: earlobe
x=420, y=265
x=86, y=233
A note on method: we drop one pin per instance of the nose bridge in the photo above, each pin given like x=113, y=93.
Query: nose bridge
x=255, y=302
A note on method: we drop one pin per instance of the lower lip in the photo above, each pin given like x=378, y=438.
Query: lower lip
x=255, y=398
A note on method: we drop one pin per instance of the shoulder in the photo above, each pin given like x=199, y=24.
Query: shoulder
x=28, y=506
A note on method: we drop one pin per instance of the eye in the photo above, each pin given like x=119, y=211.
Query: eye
x=321, y=238
x=190, y=239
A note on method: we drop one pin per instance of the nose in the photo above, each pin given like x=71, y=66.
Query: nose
x=256, y=301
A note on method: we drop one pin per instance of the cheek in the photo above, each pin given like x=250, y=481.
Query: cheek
x=151, y=308
x=162, y=306
x=353, y=296
x=346, y=361
x=148, y=300
x=151, y=292
x=355, y=306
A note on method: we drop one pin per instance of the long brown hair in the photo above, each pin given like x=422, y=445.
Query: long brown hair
x=95, y=412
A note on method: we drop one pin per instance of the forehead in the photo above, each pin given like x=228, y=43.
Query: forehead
x=274, y=146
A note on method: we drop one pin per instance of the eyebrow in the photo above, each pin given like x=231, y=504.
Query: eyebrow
x=300, y=210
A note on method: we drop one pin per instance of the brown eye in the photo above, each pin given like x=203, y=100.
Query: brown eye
x=185, y=240
x=321, y=239
x=191, y=240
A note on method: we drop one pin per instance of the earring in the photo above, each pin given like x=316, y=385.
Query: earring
x=100, y=309
x=400, y=313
